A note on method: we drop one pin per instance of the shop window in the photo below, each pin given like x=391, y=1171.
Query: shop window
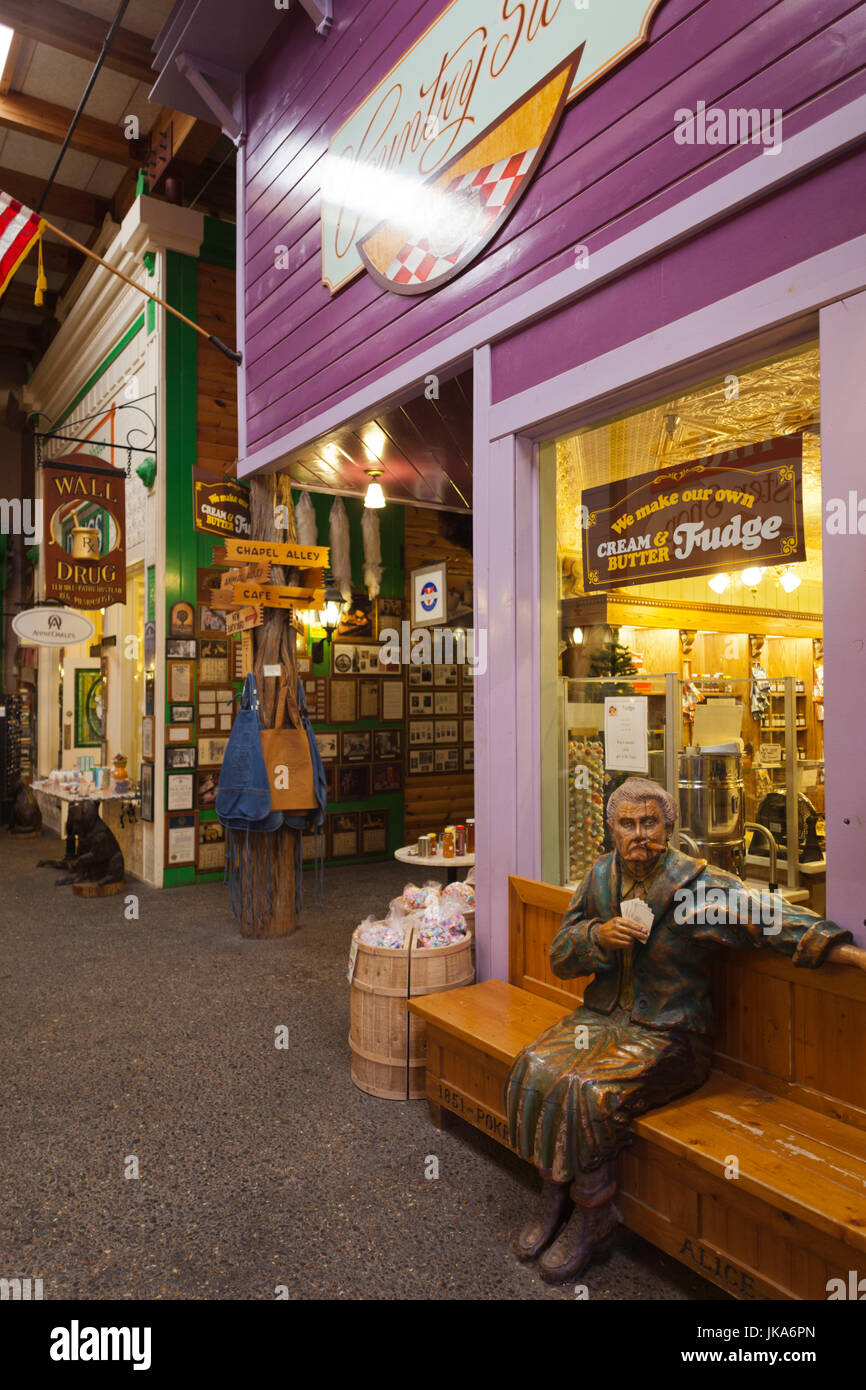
x=689, y=617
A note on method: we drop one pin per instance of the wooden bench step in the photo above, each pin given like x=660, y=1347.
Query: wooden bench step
x=496, y=1019
x=797, y=1160
x=802, y=1162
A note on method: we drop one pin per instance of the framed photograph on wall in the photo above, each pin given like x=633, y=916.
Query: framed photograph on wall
x=389, y=612
x=358, y=621
x=468, y=698
x=211, y=751
x=353, y=782
x=447, y=759
x=179, y=757
x=343, y=834
x=374, y=832
x=445, y=675
x=213, y=659
x=387, y=745
x=420, y=702
x=420, y=761
x=178, y=733
x=420, y=675
x=147, y=738
x=146, y=783
x=211, y=845
x=207, y=790
x=386, y=778
x=469, y=759
x=329, y=745
x=182, y=714
x=420, y=732
x=181, y=620
x=446, y=731
x=355, y=746
x=445, y=702
x=428, y=586
x=330, y=771
x=181, y=649
x=211, y=619
x=468, y=730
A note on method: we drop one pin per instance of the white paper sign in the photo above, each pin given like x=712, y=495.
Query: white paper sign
x=625, y=734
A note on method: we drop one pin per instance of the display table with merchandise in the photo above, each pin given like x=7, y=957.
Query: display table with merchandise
x=54, y=799
x=408, y=854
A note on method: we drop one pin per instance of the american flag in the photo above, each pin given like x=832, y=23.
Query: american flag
x=19, y=228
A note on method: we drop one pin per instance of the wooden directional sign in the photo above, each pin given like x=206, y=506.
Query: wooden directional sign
x=245, y=618
x=277, y=553
x=277, y=595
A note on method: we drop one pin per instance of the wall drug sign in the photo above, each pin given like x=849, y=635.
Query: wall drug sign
x=84, y=506
x=427, y=169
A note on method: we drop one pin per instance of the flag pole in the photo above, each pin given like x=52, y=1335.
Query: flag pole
x=211, y=338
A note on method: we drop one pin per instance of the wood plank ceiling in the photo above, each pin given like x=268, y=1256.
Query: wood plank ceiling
x=53, y=51
x=424, y=449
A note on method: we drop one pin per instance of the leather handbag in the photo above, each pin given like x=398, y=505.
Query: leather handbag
x=286, y=752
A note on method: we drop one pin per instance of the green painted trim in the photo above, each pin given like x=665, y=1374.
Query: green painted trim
x=151, y=316
x=219, y=243
x=181, y=538
x=102, y=368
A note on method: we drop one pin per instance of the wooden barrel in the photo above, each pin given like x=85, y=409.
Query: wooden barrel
x=430, y=971
x=389, y=1047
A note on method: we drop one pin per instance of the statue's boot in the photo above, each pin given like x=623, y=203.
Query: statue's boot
x=589, y=1234
x=552, y=1209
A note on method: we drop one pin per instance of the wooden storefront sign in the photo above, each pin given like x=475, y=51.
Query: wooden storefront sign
x=221, y=506
x=244, y=619
x=84, y=514
x=274, y=552
x=726, y=511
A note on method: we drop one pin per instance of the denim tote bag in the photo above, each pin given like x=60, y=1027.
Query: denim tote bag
x=243, y=799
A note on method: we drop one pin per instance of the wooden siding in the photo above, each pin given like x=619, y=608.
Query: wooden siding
x=612, y=164
x=217, y=399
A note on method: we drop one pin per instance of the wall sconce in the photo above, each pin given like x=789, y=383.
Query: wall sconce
x=577, y=637
x=719, y=582
x=789, y=580
x=375, y=497
x=752, y=577
x=328, y=618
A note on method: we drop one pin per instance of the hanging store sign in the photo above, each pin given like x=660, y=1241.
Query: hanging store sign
x=727, y=511
x=275, y=552
x=426, y=170
x=52, y=627
x=84, y=505
x=221, y=506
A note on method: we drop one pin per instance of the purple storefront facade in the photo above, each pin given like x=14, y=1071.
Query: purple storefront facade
x=692, y=254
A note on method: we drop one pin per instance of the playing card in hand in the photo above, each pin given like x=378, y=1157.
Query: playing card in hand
x=637, y=911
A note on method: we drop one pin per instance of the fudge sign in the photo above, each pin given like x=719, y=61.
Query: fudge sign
x=84, y=507
x=727, y=511
x=221, y=506
x=424, y=172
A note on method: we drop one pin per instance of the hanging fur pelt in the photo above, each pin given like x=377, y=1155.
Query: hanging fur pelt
x=305, y=520
x=341, y=561
x=372, y=552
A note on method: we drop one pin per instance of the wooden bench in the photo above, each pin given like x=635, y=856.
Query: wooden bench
x=784, y=1109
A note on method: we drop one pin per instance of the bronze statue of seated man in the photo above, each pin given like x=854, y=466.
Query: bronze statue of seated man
x=644, y=1033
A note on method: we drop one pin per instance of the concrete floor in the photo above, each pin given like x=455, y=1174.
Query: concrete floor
x=258, y=1167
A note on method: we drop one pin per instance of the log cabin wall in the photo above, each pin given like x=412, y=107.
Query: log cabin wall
x=446, y=798
x=217, y=396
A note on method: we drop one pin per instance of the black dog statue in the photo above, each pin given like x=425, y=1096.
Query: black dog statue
x=92, y=851
x=25, y=818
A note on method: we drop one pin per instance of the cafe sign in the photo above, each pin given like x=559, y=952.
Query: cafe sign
x=726, y=511
x=84, y=509
x=427, y=169
x=221, y=506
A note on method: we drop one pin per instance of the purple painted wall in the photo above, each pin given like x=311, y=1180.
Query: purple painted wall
x=612, y=164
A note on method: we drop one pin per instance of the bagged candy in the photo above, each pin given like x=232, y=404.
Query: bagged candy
x=415, y=898
x=390, y=933
x=461, y=893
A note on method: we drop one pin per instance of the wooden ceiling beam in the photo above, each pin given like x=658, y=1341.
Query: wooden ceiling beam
x=70, y=31
x=33, y=116
x=62, y=201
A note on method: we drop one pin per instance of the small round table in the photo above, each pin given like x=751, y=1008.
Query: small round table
x=408, y=854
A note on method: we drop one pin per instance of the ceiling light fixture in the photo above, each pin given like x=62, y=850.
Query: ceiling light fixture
x=375, y=497
x=719, y=582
